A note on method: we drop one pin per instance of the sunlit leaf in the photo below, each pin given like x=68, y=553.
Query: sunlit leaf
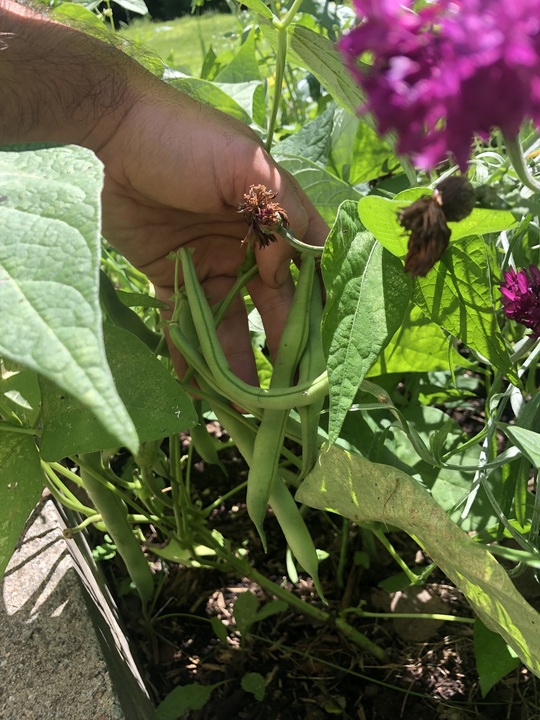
x=419, y=345
x=311, y=142
x=367, y=492
x=324, y=190
x=494, y=659
x=457, y=295
x=367, y=294
x=244, y=66
x=135, y=6
x=21, y=484
x=155, y=401
x=258, y=6
x=50, y=318
x=207, y=92
x=182, y=700
x=526, y=440
x=380, y=216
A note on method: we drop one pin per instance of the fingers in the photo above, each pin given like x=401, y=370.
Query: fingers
x=273, y=305
x=233, y=331
x=306, y=223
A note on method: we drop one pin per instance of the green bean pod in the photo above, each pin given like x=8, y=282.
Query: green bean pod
x=312, y=364
x=203, y=442
x=124, y=317
x=115, y=516
x=281, y=501
x=222, y=377
x=295, y=530
x=268, y=443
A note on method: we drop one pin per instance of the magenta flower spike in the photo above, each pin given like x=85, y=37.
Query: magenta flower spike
x=520, y=296
x=447, y=73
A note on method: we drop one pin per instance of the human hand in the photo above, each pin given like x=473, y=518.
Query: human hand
x=176, y=171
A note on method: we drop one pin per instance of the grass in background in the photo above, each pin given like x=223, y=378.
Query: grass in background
x=182, y=43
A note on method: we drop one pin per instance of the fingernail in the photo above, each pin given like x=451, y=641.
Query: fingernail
x=282, y=274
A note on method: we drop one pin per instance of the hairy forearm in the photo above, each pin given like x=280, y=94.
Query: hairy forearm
x=59, y=84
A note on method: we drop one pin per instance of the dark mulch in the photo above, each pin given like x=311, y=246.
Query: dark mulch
x=312, y=671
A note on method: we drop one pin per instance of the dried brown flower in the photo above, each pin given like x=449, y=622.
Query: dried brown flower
x=263, y=216
x=426, y=219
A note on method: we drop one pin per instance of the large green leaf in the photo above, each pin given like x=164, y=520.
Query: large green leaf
x=244, y=66
x=380, y=216
x=246, y=95
x=207, y=92
x=258, y=6
x=50, y=318
x=419, y=345
x=494, y=659
x=317, y=54
x=156, y=402
x=366, y=492
x=182, y=699
x=526, y=440
x=457, y=295
x=136, y=6
x=324, y=190
x=79, y=13
x=367, y=294
x=312, y=141
x=358, y=153
x=21, y=483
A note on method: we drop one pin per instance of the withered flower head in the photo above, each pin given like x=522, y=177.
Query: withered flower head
x=263, y=216
x=426, y=219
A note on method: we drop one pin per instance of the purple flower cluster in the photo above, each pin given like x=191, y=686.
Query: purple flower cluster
x=521, y=297
x=450, y=71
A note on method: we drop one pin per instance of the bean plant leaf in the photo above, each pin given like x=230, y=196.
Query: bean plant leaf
x=245, y=611
x=457, y=295
x=254, y=683
x=20, y=394
x=312, y=141
x=207, y=92
x=358, y=153
x=50, y=318
x=247, y=95
x=21, y=484
x=324, y=190
x=80, y=13
x=184, y=698
x=367, y=294
x=419, y=345
x=526, y=440
x=318, y=54
x=155, y=401
x=380, y=216
x=259, y=7
x=136, y=6
x=244, y=66
x=367, y=492
x=494, y=659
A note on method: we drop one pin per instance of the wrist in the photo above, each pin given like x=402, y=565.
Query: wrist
x=60, y=84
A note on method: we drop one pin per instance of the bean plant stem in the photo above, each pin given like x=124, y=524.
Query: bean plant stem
x=381, y=537
x=409, y=616
x=283, y=39
x=515, y=153
x=114, y=514
x=8, y=427
x=321, y=616
x=344, y=544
